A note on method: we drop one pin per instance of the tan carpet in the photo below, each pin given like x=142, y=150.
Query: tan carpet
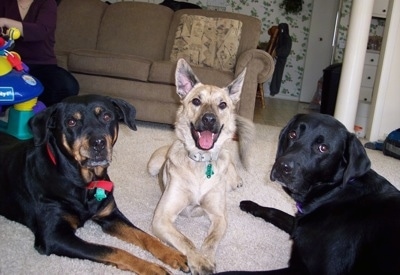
x=249, y=244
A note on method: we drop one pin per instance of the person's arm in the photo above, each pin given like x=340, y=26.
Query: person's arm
x=10, y=23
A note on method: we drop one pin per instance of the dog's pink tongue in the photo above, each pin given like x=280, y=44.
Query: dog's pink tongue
x=206, y=140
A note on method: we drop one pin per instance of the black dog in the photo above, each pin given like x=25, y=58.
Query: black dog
x=58, y=180
x=179, y=5
x=348, y=216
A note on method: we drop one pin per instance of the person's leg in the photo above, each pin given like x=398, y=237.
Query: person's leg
x=58, y=83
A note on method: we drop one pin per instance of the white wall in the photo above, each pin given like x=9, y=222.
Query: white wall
x=385, y=112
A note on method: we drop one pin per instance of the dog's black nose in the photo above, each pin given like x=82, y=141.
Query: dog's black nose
x=286, y=167
x=99, y=144
x=209, y=119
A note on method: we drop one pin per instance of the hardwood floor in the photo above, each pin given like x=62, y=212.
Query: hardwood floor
x=278, y=112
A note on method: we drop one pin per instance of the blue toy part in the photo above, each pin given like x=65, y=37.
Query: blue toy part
x=21, y=90
x=17, y=87
x=7, y=44
x=39, y=107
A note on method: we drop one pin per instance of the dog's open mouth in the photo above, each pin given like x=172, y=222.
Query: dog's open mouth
x=204, y=140
x=95, y=163
x=92, y=156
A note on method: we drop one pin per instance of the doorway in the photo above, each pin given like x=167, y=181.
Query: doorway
x=320, y=48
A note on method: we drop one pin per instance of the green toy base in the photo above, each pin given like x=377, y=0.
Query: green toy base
x=17, y=124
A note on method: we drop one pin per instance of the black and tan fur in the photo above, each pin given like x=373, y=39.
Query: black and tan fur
x=45, y=181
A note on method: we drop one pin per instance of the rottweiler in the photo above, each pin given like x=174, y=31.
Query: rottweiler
x=56, y=181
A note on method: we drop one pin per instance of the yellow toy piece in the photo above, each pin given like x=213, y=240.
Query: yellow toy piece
x=14, y=33
x=5, y=66
x=26, y=105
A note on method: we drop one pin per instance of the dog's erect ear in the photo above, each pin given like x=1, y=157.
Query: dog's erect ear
x=125, y=112
x=356, y=159
x=41, y=124
x=185, y=79
x=235, y=87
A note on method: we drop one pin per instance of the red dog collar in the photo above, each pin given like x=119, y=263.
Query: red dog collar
x=103, y=184
x=51, y=155
x=100, y=185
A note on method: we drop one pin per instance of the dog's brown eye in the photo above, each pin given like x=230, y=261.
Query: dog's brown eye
x=71, y=122
x=222, y=105
x=292, y=135
x=196, y=102
x=106, y=117
x=323, y=148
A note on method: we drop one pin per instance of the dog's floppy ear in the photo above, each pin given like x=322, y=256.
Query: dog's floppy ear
x=357, y=161
x=41, y=124
x=125, y=112
x=185, y=79
x=235, y=87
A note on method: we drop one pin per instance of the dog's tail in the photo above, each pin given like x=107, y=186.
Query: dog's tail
x=245, y=133
x=157, y=160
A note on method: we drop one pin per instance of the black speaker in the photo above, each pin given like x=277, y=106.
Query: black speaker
x=330, y=87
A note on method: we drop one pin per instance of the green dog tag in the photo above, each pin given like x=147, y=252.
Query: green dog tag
x=100, y=194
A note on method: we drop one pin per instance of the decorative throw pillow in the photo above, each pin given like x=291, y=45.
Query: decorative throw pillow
x=207, y=42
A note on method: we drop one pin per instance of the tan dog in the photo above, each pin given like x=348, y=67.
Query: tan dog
x=198, y=169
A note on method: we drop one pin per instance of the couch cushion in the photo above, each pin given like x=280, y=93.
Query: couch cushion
x=207, y=42
x=164, y=72
x=251, y=28
x=78, y=23
x=109, y=64
x=62, y=59
x=135, y=28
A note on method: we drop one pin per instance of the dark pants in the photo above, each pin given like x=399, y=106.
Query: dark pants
x=58, y=83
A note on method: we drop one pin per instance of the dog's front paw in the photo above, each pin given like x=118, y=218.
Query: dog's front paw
x=176, y=260
x=249, y=207
x=234, y=184
x=153, y=269
x=239, y=182
x=200, y=265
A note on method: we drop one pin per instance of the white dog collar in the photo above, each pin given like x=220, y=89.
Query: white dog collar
x=203, y=156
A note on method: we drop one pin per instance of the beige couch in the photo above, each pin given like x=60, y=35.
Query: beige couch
x=124, y=50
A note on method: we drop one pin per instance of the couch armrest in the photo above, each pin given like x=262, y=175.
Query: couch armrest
x=260, y=63
x=62, y=58
x=260, y=67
